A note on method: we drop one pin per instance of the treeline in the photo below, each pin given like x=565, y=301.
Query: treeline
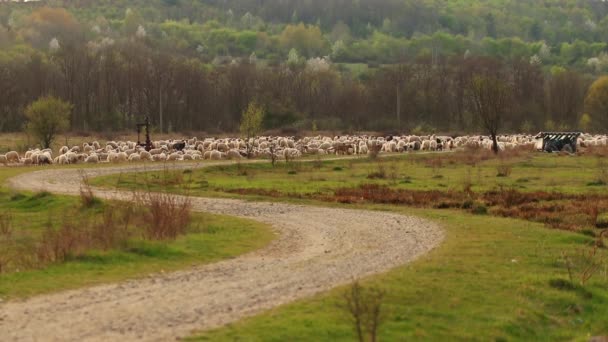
x=199, y=63
x=568, y=33
x=114, y=86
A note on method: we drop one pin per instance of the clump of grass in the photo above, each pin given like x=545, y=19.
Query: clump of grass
x=503, y=170
x=378, y=173
x=479, y=209
x=601, y=221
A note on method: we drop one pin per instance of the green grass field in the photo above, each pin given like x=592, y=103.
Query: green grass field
x=211, y=238
x=414, y=172
x=493, y=278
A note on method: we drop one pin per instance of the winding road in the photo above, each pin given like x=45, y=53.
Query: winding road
x=316, y=249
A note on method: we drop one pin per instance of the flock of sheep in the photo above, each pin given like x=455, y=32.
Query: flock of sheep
x=269, y=147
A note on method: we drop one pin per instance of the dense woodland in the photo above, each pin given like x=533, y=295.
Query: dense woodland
x=381, y=65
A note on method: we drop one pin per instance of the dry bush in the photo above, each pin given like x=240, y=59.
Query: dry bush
x=87, y=198
x=7, y=241
x=114, y=228
x=165, y=216
x=71, y=239
x=584, y=263
x=364, y=307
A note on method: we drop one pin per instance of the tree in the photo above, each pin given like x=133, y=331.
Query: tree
x=596, y=101
x=490, y=96
x=566, y=92
x=47, y=117
x=251, y=124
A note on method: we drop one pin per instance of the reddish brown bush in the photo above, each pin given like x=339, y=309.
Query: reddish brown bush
x=165, y=216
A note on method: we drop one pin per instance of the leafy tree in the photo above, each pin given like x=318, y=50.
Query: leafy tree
x=596, y=101
x=306, y=39
x=47, y=117
x=251, y=124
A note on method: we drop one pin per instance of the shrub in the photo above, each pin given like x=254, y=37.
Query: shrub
x=165, y=215
x=584, y=263
x=87, y=198
x=114, y=228
x=479, y=209
x=57, y=245
x=364, y=306
x=602, y=221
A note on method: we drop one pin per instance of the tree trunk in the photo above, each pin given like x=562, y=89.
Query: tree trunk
x=494, y=143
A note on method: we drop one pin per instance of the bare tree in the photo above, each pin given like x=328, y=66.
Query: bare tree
x=491, y=97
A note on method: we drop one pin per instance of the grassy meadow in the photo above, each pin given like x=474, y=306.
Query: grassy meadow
x=501, y=274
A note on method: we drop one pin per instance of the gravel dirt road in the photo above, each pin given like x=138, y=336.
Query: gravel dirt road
x=316, y=249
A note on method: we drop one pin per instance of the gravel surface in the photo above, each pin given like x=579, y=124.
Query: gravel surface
x=316, y=249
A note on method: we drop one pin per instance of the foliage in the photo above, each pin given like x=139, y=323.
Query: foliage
x=597, y=101
x=251, y=123
x=47, y=117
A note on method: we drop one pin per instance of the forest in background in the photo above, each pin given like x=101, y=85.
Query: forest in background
x=382, y=65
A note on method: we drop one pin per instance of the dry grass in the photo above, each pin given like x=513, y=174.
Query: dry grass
x=558, y=210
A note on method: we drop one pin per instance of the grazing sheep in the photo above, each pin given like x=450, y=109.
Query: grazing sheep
x=3, y=159
x=12, y=157
x=134, y=157
x=92, y=159
x=233, y=154
x=215, y=155
x=145, y=155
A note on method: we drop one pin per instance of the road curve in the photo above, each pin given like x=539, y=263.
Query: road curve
x=316, y=249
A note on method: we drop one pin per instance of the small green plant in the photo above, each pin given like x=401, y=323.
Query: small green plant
x=601, y=221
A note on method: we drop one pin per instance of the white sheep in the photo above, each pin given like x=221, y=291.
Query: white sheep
x=134, y=157
x=12, y=157
x=92, y=159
